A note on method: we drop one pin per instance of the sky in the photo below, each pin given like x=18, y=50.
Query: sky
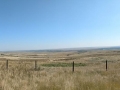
x=54, y=24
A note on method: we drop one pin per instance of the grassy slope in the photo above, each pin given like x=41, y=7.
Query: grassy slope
x=22, y=76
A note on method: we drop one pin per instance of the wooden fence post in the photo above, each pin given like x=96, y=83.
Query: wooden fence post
x=106, y=65
x=6, y=64
x=73, y=67
x=35, y=65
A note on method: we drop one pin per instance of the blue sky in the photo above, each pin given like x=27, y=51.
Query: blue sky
x=52, y=24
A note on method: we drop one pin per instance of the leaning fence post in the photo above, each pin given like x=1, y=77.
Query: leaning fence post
x=73, y=67
x=35, y=65
x=6, y=64
x=106, y=65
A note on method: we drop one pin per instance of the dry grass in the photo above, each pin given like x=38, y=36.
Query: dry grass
x=22, y=76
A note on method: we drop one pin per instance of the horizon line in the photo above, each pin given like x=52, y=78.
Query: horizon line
x=72, y=48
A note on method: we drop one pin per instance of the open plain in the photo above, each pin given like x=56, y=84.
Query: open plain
x=53, y=70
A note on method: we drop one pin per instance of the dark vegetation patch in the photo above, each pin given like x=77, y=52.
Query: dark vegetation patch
x=81, y=51
x=112, y=61
x=63, y=65
x=2, y=54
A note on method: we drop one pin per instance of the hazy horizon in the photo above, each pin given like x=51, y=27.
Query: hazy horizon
x=72, y=48
x=51, y=24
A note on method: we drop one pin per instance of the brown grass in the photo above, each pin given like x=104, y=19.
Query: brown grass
x=22, y=76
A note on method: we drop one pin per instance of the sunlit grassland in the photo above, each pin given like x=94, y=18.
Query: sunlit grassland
x=89, y=74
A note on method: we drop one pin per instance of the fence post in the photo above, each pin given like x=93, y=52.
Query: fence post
x=73, y=67
x=106, y=65
x=35, y=65
x=6, y=64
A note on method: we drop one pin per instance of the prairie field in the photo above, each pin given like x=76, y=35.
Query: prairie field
x=53, y=70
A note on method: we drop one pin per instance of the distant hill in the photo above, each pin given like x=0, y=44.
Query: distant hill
x=69, y=49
